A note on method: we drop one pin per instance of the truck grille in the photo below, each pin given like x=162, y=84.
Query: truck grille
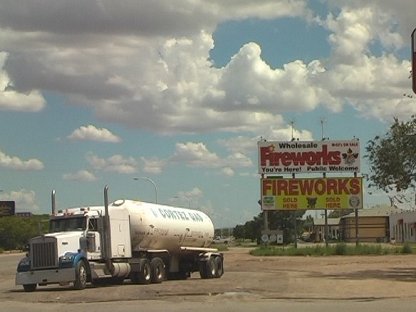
x=43, y=252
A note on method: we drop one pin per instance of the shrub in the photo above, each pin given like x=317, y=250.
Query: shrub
x=338, y=249
x=341, y=249
x=407, y=249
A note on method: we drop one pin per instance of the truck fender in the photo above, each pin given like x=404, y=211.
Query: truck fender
x=81, y=257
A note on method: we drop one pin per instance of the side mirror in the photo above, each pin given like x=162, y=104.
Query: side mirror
x=26, y=248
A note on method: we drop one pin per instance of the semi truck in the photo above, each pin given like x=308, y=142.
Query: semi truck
x=123, y=240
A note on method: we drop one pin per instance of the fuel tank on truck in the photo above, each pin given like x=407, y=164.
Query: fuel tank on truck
x=155, y=226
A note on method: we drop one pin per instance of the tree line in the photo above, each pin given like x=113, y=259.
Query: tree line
x=15, y=231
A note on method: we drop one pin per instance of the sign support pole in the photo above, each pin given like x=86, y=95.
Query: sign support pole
x=295, y=220
x=414, y=60
x=357, y=236
x=326, y=220
x=265, y=213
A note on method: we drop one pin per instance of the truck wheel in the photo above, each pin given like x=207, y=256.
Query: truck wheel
x=145, y=273
x=211, y=267
x=80, y=275
x=158, y=270
x=202, y=270
x=29, y=287
x=219, y=267
x=208, y=268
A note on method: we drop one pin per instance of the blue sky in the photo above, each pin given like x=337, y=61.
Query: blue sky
x=100, y=92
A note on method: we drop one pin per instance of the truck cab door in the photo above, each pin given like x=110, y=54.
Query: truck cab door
x=93, y=239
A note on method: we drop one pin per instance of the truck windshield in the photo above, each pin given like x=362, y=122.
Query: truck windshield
x=68, y=224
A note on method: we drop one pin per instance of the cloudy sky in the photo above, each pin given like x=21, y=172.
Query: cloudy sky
x=179, y=92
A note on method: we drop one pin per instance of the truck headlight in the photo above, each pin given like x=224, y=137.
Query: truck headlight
x=24, y=265
x=66, y=260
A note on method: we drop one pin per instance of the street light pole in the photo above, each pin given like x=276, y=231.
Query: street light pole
x=151, y=181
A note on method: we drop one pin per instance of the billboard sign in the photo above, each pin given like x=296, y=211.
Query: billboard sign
x=311, y=193
x=308, y=156
x=7, y=208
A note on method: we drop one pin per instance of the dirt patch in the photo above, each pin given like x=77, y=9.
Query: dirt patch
x=250, y=278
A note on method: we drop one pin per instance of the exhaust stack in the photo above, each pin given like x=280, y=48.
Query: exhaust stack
x=107, y=234
x=53, y=202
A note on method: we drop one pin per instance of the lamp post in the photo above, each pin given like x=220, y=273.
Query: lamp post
x=151, y=181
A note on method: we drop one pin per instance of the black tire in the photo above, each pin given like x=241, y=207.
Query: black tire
x=29, y=287
x=211, y=268
x=158, y=272
x=207, y=268
x=202, y=269
x=81, y=275
x=145, y=273
x=219, y=267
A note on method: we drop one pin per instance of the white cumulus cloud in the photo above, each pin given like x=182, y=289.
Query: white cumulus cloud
x=13, y=100
x=91, y=53
x=153, y=165
x=92, y=133
x=81, y=175
x=115, y=163
x=25, y=200
x=14, y=162
x=198, y=155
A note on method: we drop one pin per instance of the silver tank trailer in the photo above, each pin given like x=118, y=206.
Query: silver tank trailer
x=154, y=226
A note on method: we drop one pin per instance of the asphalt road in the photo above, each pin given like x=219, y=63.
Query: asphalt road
x=383, y=283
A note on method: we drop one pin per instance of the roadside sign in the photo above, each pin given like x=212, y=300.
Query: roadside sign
x=311, y=193
x=7, y=208
x=283, y=157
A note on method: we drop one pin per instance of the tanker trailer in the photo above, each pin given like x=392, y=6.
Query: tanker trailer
x=125, y=240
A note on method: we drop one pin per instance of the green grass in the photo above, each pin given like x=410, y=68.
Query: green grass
x=332, y=250
x=220, y=247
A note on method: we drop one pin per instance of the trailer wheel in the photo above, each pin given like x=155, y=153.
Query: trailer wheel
x=145, y=273
x=219, y=267
x=211, y=267
x=208, y=268
x=81, y=274
x=158, y=270
x=29, y=287
x=202, y=270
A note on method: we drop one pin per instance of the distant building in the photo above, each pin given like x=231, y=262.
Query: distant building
x=373, y=225
x=318, y=232
x=403, y=226
x=23, y=214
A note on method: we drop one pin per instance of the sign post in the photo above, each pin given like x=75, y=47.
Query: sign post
x=414, y=60
x=7, y=208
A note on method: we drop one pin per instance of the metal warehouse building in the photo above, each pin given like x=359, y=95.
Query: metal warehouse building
x=373, y=225
x=403, y=226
